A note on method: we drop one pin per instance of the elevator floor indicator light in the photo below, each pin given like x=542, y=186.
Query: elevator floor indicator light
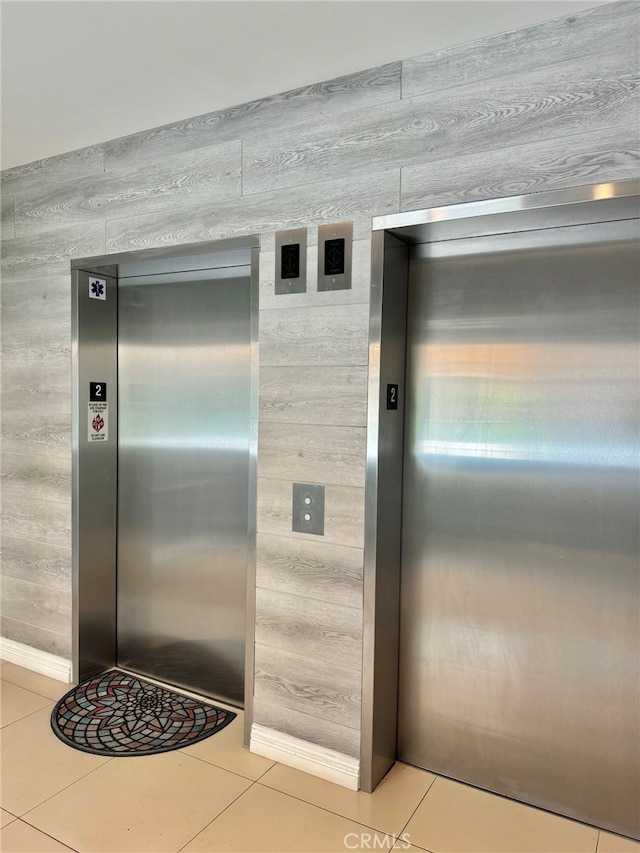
x=97, y=288
x=334, y=257
x=290, y=260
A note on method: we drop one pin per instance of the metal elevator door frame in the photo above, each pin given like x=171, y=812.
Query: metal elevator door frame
x=94, y=464
x=394, y=240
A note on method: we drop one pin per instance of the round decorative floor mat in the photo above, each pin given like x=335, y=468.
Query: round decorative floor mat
x=119, y=714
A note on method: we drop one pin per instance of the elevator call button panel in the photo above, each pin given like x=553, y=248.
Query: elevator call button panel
x=308, y=508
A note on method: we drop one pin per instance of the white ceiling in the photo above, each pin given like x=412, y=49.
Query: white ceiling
x=79, y=72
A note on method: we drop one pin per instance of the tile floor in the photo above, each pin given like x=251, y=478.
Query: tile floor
x=216, y=796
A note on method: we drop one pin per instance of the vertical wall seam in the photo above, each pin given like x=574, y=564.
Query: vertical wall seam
x=241, y=167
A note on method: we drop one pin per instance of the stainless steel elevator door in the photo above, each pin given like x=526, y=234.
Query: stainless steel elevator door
x=519, y=603
x=183, y=469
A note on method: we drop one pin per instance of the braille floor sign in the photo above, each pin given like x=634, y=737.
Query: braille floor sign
x=98, y=421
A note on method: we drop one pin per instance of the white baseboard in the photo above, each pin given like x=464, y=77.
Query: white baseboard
x=35, y=660
x=316, y=760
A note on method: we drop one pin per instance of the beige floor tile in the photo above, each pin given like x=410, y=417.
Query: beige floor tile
x=5, y=818
x=387, y=809
x=16, y=703
x=19, y=837
x=455, y=818
x=270, y=822
x=152, y=803
x=33, y=681
x=224, y=749
x=610, y=843
x=36, y=765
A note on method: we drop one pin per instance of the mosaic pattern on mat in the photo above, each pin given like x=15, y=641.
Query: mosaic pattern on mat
x=119, y=714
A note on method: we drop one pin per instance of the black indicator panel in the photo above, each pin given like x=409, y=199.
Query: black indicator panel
x=392, y=396
x=334, y=253
x=97, y=392
x=335, y=256
x=290, y=260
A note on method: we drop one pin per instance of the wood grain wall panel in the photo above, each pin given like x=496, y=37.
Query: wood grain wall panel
x=73, y=164
x=37, y=636
x=528, y=49
x=8, y=213
x=570, y=97
x=36, y=341
x=36, y=385
x=312, y=454
x=35, y=604
x=42, y=521
x=37, y=397
x=40, y=477
x=360, y=280
x=608, y=154
x=202, y=176
x=45, y=564
x=325, y=733
x=318, y=688
x=50, y=253
x=24, y=433
x=314, y=395
x=315, y=569
x=330, y=633
x=322, y=336
x=32, y=301
x=332, y=201
x=367, y=88
x=343, y=513
x=32, y=362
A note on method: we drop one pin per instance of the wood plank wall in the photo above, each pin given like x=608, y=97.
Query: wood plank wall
x=551, y=106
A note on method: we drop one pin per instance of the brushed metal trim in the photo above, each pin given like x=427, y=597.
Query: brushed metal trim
x=370, y=513
x=93, y=509
x=383, y=501
x=165, y=253
x=250, y=616
x=75, y=483
x=520, y=204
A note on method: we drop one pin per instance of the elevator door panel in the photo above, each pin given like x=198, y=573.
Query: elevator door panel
x=519, y=603
x=184, y=374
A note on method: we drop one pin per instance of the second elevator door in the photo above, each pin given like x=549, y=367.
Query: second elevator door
x=183, y=478
x=519, y=615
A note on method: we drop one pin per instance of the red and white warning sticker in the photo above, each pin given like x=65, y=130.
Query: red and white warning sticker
x=98, y=421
